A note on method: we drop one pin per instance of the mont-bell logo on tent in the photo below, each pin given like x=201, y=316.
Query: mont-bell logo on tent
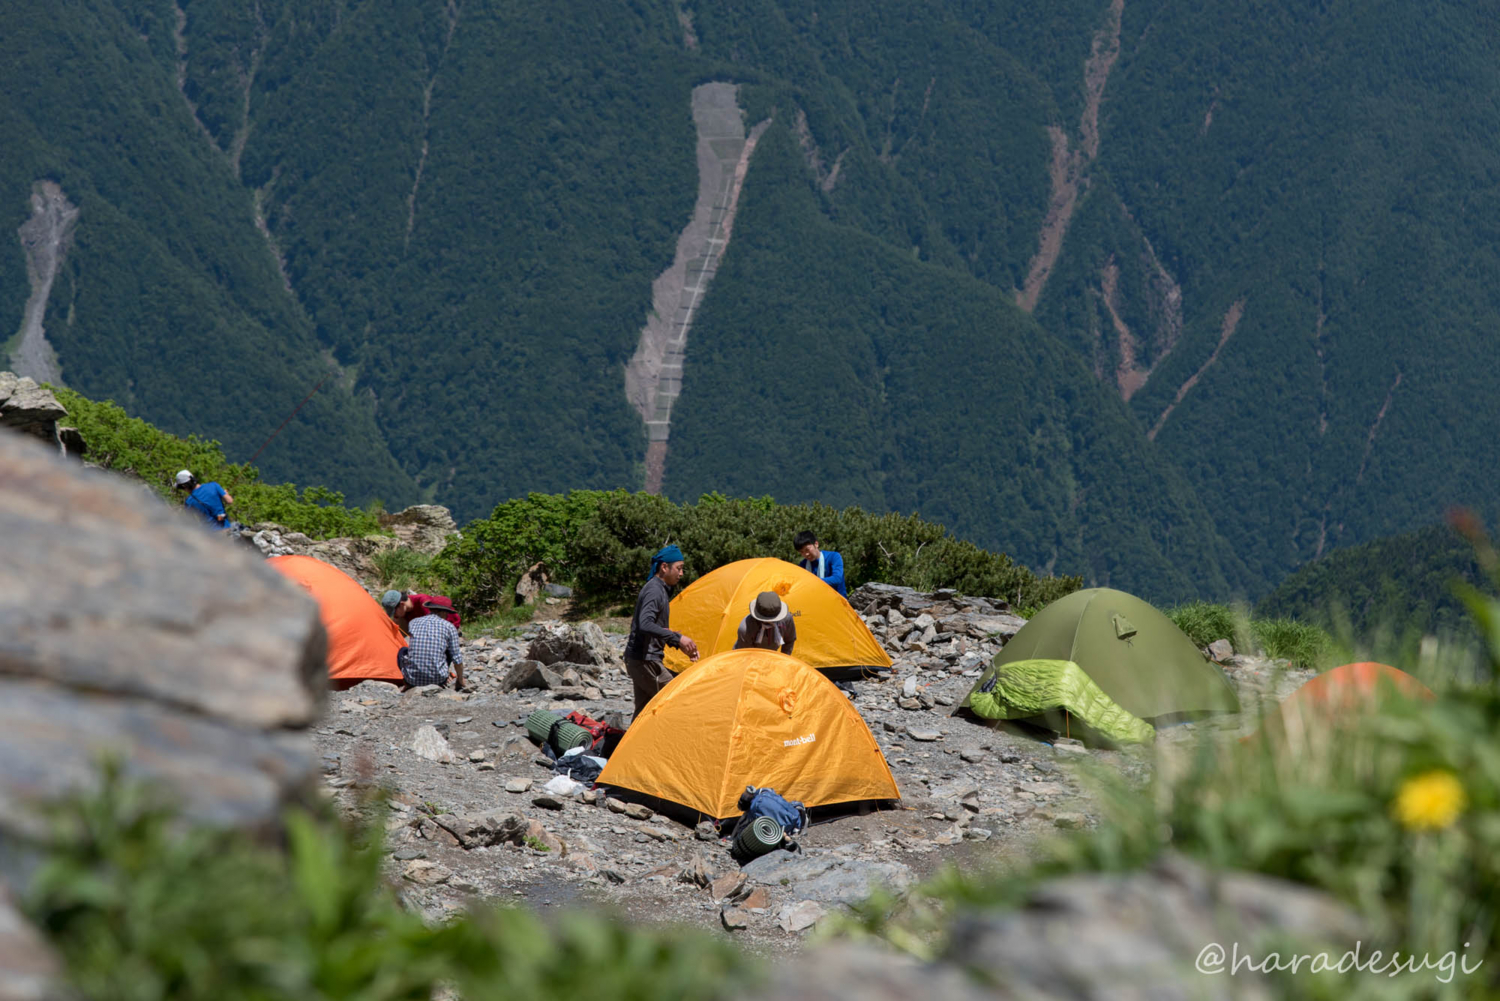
x=796, y=741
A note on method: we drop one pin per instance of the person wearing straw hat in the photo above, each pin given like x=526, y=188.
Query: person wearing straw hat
x=769, y=626
x=650, y=634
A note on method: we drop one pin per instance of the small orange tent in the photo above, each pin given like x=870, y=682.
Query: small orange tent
x=750, y=717
x=362, y=640
x=1337, y=696
x=831, y=637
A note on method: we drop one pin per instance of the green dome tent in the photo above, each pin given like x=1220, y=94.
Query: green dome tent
x=1135, y=655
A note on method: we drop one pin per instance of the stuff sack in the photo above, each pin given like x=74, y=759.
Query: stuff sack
x=606, y=736
x=790, y=814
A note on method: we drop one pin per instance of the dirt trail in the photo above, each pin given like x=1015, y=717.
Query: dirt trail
x=1130, y=376
x=45, y=239
x=1231, y=321
x=179, y=39
x=1364, y=461
x=451, y=11
x=1069, y=167
x=653, y=377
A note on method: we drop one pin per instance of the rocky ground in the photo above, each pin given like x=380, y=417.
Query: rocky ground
x=110, y=657
x=471, y=815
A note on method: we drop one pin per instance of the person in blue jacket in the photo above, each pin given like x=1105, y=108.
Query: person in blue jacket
x=828, y=564
x=206, y=499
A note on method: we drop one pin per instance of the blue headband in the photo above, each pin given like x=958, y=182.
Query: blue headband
x=666, y=554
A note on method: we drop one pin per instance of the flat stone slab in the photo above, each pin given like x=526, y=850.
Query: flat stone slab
x=828, y=878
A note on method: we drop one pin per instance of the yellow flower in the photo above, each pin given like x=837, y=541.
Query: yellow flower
x=1430, y=801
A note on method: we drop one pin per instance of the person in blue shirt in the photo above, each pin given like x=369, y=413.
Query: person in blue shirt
x=828, y=564
x=207, y=499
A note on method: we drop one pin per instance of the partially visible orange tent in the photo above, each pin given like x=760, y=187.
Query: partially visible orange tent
x=362, y=639
x=1338, y=696
x=831, y=637
x=750, y=717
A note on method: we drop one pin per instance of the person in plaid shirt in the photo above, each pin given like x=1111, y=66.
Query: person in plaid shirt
x=432, y=648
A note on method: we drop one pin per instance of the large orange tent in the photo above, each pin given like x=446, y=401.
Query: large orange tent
x=831, y=637
x=362, y=640
x=1339, y=696
x=750, y=717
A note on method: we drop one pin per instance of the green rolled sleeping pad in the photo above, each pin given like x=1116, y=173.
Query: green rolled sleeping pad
x=539, y=724
x=569, y=736
x=762, y=835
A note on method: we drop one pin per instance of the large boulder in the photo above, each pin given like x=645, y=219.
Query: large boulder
x=573, y=643
x=28, y=969
x=836, y=876
x=529, y=674
x=32, y=410
x=1153, y=934
x=354, y=556
x=843, y=970
x=486, y=829
x=1149, y=934
x=127, y=629
x=423, y=527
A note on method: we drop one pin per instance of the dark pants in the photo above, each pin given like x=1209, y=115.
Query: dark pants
x=647, y=677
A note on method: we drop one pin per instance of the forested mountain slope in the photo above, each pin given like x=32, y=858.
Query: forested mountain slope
x=1392, y=584
x=1329, y=175
x=904, y=386
x=168, y=300
x=1256, y=244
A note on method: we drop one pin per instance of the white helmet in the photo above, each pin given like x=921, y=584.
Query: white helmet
x=183, y=477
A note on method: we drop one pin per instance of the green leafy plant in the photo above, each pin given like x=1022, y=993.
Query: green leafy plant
x=132, y=447
x=1204, y=622
x=402, y=568
x=482, y=567
x=603, y=541
x=613, y=548
x=1301, y=643
x=502, y=623
x=143, y=907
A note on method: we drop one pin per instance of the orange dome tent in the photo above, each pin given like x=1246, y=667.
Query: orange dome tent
x=1337, y=696
x=362, y=640
x=750, y=717
x=831, y=637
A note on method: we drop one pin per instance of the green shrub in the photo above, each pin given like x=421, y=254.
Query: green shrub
x=130, y=446
x=1303, y=644
x=142, y=910
x=612, y=551
x=1205, y=622
x=402, y=568
x=481, y=568
x=1287, y=639
x=603, y=543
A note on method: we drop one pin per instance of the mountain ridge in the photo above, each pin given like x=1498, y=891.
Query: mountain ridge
x=1275, y=261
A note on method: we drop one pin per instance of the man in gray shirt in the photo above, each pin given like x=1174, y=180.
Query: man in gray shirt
x=649, y=632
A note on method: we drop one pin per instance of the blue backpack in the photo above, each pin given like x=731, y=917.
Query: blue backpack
x=791, y=815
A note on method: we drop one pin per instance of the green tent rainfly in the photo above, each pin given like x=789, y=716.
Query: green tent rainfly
x=1057, y=692
x=1135, y=655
